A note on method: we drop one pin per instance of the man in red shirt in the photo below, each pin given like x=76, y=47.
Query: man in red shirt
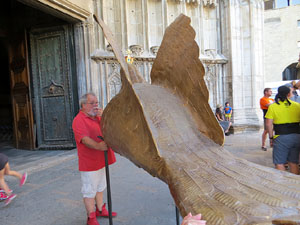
x=91, y=160
x=264, y=105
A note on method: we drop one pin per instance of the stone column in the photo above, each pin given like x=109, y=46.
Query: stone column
x=81, y=63
x=243, y=20
x=88, y=72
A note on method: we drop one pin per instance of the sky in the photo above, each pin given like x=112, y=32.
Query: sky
x=283, y=3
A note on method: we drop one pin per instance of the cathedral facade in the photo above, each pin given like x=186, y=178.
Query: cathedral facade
x=230, y=38
x=52, y=52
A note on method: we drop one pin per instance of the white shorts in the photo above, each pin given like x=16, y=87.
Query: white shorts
x=92, y=182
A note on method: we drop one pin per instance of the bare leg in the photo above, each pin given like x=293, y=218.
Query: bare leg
x=264, y=138
x=228, y=128
x=294, y=168
x=280, y=167
x=3, y=184
x=9, y=172
x=99, y=200
x=89, y=204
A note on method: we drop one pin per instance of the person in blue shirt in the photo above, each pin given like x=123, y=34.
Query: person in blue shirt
x=228, y=111
x=224, y=124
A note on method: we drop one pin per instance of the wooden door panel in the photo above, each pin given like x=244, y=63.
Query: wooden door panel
x=21, y=102
x=51, y=74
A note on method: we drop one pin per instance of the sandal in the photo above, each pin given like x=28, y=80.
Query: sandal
x=263, y=148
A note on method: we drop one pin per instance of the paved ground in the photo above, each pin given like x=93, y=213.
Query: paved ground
x=52, y=193
x=248, y=146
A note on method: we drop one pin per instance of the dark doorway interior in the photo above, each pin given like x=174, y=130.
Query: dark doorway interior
x=6, y=114
x=291, y=72
x=20, y=113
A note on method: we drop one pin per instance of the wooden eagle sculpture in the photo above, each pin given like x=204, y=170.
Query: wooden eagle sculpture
x=168, y=128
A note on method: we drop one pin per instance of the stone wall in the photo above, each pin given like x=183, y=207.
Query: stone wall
x=229, y=34
x=139, y=26
x=281, y=34
x=242, y=43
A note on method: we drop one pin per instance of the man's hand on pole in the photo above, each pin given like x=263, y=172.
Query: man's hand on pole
x=102, y=146
x=90, y=143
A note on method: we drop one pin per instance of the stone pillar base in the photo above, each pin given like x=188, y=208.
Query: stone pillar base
x=242, y=128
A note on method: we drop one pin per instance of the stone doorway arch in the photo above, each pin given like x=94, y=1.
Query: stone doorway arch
x=291, y=72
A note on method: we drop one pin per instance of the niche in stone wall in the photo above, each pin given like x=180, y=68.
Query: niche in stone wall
x=210, y=27
x=144, y=68
x=135, y=20
x=174, y=9
x=192, y=10
x=155, y=22
x=211, y=83
x=114, y=81
x=112, y=17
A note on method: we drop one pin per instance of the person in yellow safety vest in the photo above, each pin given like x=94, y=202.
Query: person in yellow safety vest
x=284, y=116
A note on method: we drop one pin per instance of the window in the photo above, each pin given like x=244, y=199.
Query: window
x=269, y=4
x=298, y=23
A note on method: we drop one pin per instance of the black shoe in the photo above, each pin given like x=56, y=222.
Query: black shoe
x=286, y=166
x=227, y=134
x=264, y=148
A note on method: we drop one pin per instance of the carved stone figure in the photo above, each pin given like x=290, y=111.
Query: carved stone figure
x=169, y=129
x=136, y=50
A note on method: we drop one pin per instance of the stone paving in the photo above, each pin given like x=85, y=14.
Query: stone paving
x=248, y=146
x=52, y=193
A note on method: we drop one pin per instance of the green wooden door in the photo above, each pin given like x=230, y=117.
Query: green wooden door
x=52, y=86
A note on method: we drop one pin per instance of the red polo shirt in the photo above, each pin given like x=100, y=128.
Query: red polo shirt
x=89, y=159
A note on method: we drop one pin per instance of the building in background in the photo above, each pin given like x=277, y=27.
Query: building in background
x=53, y=51
x=281, y=39
x=230, y=39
